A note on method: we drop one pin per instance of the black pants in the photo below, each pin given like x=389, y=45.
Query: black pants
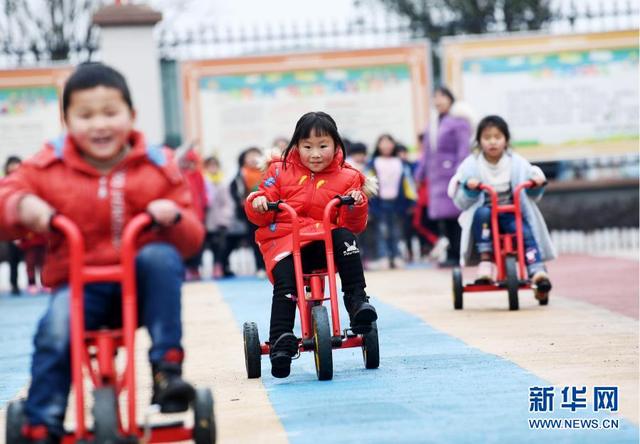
x=251, y=239
x=15, y=256
x=451, y=229
x=216, y=241
x=349, y=265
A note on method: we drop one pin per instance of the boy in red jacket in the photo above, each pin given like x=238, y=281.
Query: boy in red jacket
x=311, y=173
x=100, y=176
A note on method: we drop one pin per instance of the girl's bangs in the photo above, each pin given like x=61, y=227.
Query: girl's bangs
x=318, y=128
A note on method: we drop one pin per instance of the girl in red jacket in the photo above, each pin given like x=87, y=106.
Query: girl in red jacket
x=311, y=172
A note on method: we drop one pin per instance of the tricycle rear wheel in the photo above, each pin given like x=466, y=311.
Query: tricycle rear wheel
x=252, y=351
x=457, y=288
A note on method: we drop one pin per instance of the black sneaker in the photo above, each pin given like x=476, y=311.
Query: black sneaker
x=170, y=391
x=281, y=352
x=361, y=313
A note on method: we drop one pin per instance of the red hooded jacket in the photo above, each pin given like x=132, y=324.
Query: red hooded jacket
x=100, y=204
x=308, y=193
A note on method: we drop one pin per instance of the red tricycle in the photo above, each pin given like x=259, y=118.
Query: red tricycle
x=317, y=334
x=94, y=353
x=510, y=262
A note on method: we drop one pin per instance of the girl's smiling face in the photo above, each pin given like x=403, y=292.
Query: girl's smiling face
x=317, y=151
x=493, y=143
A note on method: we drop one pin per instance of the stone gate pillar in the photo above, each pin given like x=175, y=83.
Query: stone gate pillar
x=127, y=44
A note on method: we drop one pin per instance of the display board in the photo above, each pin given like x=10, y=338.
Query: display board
x=236, y=103
x=29, y=109
x=564, y=97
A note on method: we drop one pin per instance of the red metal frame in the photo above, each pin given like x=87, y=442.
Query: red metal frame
x=101, y=366
x=503, y=243
x=316, y=280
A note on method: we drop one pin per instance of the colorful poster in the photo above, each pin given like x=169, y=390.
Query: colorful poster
x=29, y=115
x=238, y=103
x=577, y=101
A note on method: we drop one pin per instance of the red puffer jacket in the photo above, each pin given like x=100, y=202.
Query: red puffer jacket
x=100, y=204
x=308, y=193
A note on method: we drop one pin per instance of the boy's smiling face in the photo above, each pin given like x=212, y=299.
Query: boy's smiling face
x=100, y=122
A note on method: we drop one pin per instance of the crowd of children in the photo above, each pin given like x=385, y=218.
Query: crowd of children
x=397, y=216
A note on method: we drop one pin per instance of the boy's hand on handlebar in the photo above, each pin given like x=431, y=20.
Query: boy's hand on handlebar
x=34, y=213
x=357, y=195
x=538, y=181
x=472, y=183
x=164, y=212
x=259, y=204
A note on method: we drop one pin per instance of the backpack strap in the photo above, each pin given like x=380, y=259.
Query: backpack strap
x=58, y=145
x=156, y=155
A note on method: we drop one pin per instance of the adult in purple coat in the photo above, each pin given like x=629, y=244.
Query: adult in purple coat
x=444, y=146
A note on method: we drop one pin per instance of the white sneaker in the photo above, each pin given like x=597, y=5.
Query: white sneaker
x=439, y=251
x=398, y=263
x=379, y=264
x=261, y=274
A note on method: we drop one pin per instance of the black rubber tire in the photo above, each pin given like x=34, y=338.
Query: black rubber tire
x=511, y=267
x=457, y=288
x=105, y=416
x=371, y=348
x=322, y=343
x=204, y=423
x=14, y=421
x=252, y=351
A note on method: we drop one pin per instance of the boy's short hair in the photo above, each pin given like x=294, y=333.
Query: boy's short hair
x=357, y=148
x=92, y=74
x=11, y=160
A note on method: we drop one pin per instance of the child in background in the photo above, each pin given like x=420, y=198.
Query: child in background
x=396, y=195
x=191, y=168
x=357, y=156
x=408, y=231
x=14, y=253
x=246, y=181
x=33, y=248
x=100, y=176
x=311, y=173
x=497, y=165
x=219, y=214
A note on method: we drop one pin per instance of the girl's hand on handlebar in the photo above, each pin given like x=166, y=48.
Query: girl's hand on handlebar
x=164, y=212
x=259, y=204
x=538, y=181
x=472, y=183
x=357, y=195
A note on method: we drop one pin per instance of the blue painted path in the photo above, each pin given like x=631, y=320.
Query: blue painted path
x=430, y=388
x=18, y=320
